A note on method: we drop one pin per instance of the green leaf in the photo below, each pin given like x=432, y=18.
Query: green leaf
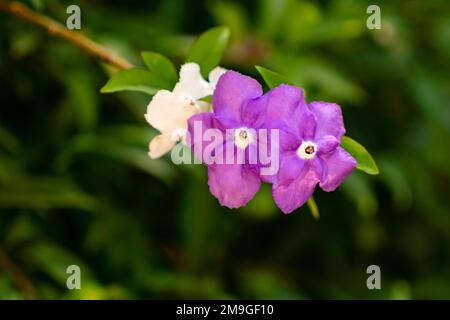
x=134, y=80
x=209, y=48
x=272, y=79
x=361, y=155
x=161, y=67
x=313, y=208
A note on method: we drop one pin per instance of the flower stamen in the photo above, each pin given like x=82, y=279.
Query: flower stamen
x=307, y=150
x=242, y=138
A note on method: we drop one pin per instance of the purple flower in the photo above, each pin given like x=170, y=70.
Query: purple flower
x=234, y=184
x=310, y=135
x=308, y=148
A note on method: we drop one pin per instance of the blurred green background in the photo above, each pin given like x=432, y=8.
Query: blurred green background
x=77, y=187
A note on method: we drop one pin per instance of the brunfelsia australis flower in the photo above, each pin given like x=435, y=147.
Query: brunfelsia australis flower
x=307, y=143
x=235, y=182
x=310, y=135
x=306, y=149
x=169, y=111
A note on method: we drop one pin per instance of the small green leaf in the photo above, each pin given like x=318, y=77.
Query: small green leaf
x=361, y=155
x=160, y=66
x=134, y=80
x=313, y=208
x=209, y=48
x=272, y=79
x=207, y=99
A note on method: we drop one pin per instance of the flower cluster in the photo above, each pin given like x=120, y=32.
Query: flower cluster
x=307, y=146
x=168, y=111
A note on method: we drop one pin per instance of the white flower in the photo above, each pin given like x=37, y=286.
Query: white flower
x=168, y=111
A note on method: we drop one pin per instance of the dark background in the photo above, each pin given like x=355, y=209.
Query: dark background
x=77, y=187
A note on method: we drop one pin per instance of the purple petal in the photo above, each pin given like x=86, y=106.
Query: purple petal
x=329, y=119
x=233, y=91
x=233, y=185
x=227, y=123
x=338, y=166
x=327, y=144
x=288, y=141
x=272, y=151
x=197, y=126
x=291, y=195
x=305, y=122
x=276, y=108
x=254, y=113
x=291, y=167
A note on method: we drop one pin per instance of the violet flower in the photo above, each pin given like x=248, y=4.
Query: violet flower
x=310, y=135
x=233, y=184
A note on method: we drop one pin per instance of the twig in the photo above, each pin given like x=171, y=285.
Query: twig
x=57, y=29
x=22, y=281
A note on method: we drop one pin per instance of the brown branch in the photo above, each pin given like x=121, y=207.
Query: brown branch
x=57, y=29
x=23, y=283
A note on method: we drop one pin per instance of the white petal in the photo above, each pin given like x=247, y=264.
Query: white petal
x=214, y=76
x=191, y=82
x=160, y=145
x=169, y=111
x=179, y=135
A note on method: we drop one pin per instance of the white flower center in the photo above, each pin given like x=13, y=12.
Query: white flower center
x=242, y=138
x=307, y=150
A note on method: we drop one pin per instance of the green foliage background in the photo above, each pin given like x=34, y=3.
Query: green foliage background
x=77, y=187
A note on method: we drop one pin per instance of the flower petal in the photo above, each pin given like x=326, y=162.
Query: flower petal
x=278, y=106
x=305, y=122
x=291, y=195
x=197, y=126
x=232, y=184
x=191, y=82
x=291, y=167
x=288, y=141
x=273, y=153
x=327, y=144
x=160, y=145
x=215, y=75
x=168, y=111
x=329, y=119
x=338, y=166
x=233, y=91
